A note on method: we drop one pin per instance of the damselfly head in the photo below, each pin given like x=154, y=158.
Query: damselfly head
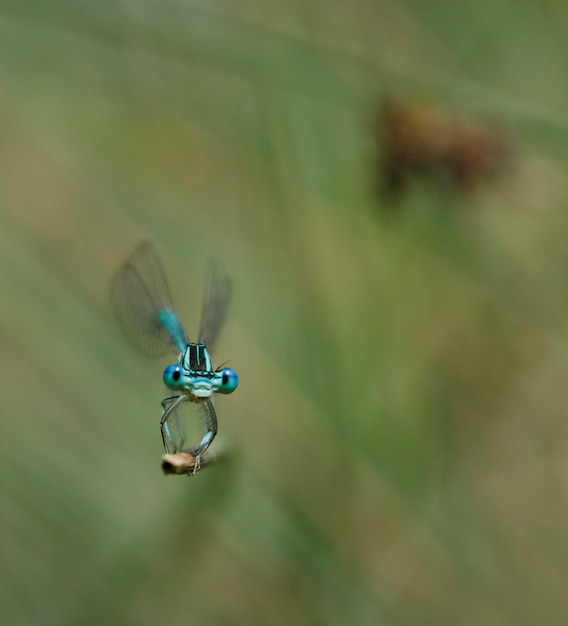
x=200, y=384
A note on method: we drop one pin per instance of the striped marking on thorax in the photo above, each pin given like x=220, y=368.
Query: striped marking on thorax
x=197, y=359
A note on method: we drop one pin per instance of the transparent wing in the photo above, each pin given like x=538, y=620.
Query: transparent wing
x=142, y=304
x=189, y=426
x=218, y=295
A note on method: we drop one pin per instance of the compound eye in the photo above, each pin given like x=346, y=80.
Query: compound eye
x=173, y=376
x=229, y=380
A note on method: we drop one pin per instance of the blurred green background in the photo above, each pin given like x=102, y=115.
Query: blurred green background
x=398, y=449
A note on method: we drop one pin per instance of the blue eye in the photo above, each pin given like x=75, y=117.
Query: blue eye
x=173, y=376
x=229, y=380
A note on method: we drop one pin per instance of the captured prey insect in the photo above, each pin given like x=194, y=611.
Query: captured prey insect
x=143, y=307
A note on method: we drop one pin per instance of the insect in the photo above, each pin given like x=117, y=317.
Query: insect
x=185, y=463
x=141, y=300
x=179, y=463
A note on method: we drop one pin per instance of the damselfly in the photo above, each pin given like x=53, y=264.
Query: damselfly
x=143, y=307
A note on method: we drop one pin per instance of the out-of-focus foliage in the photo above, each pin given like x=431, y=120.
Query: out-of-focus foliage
x=398, y=448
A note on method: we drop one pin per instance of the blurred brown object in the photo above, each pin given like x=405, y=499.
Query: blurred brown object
x=185, y=463
x=438, y=144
